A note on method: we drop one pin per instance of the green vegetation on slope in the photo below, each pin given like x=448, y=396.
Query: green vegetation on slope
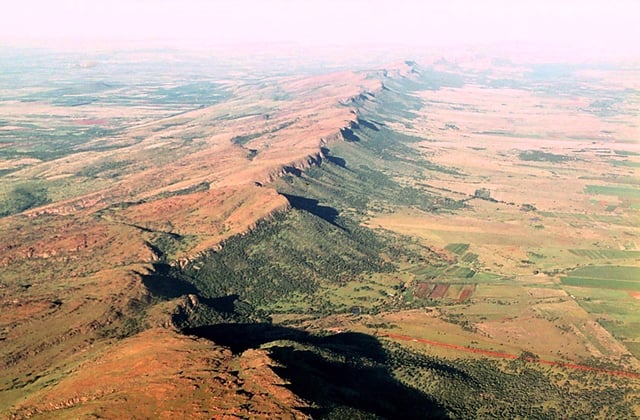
x=292, y=254
x=23, y=197
x=309, y=253
x=370, y=175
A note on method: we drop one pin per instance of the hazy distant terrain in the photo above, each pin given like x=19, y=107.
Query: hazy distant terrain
x=203, y=235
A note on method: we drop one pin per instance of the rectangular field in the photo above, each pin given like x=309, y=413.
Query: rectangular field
x=622, y=192
x=457, y=248
x=601, y=283
x=605, y=277
x=605, y=253
x=608, y=272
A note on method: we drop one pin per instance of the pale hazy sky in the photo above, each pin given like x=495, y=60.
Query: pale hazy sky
x=611, y=25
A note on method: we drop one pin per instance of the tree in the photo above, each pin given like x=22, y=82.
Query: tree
x=482, y=193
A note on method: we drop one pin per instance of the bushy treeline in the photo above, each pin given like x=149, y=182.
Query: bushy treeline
x=472, y=388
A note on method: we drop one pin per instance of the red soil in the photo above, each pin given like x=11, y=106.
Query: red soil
x=439, y=291
x=502, y=355
x=422, y=290
x=466, y=293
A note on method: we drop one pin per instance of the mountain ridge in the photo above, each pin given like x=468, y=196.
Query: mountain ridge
x=114, y=227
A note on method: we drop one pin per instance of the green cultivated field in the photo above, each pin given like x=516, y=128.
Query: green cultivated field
x=609, y=272
x=601, y=283
x=622, y=192
x=457, y=248
x=597, y=254
x=606, y=277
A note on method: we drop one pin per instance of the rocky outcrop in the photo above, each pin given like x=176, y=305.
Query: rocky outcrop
x=67, y=207
x=295, y=167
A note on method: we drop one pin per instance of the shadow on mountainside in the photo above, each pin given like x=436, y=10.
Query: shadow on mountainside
x=338, y=161
x=164, y=284
x=312, y=206
x=349, y=135
x=343, y=375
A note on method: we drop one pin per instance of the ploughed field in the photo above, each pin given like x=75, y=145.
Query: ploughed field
x=206, y=239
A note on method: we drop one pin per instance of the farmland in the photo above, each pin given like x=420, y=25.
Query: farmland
x=605, y=277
